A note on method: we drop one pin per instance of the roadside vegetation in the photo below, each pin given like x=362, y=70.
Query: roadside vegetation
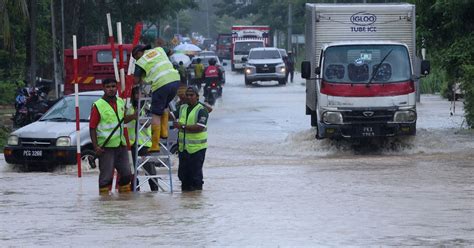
x=445, y=28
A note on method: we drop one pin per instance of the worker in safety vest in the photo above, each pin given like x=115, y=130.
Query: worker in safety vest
x=106, y=131
x=154, y=67
x=192, y=138
x=144, y=138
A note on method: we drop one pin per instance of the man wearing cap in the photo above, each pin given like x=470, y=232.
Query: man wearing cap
x=154, y=67
x=192, y=138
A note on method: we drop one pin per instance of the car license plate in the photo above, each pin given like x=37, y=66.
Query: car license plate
x=368, y=131
x=32, y=153
x=214, y=91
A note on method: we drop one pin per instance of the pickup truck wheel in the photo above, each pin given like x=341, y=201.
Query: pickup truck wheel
x=282, y=82
x=232, y=67
x=248, y=82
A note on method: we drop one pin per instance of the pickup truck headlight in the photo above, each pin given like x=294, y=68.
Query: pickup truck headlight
x=249, y=69
x=281, y=68
x=406, y=116
x=63, y=141
x=330, y=117
x=12, y=140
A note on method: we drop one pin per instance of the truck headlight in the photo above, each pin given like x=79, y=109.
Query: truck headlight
x=281, y=68
x=63, y=141
x=12, y=140
x=405, y=116
x=330, y=117
x=249, y=70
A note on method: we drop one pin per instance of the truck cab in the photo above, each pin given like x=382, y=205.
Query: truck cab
x=241, y=49
x=365, y=89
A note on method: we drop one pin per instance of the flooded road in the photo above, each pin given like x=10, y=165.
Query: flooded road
x=268, y=183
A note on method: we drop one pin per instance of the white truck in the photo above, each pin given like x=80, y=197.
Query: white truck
x=245, y=38
x=359, y=72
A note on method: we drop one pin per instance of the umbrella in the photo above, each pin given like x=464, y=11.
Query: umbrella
x=180, y=57
x=187, y=48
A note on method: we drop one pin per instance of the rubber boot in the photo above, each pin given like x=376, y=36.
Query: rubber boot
x=164, y=125
x=155, y=138
x=125, y=188
x=104, y=190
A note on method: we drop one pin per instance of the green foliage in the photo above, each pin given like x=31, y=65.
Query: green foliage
x=467, y=86
x=434, y=82
x=4, y=133
x=7, y=92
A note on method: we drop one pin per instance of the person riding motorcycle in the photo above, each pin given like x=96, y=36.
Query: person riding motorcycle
x=211, y=74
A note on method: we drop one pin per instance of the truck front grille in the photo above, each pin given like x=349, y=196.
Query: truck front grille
x=265, y=68
x=368, y=116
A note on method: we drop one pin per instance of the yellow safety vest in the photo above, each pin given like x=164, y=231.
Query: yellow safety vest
x=158, y=68
x=109, y=119
x=144, y=137
x=191, y=142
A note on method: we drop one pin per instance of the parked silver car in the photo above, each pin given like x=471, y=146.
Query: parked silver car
x=52, y=139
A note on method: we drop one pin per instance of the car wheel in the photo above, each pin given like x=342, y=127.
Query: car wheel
x=232, y=67
x=282, y=82
x=89, y=160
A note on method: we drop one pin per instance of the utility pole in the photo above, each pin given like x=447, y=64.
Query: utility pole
x=55, y=52
x=177, y=22
x=290, y=24
x=33, y=66
x=63, y=72
x=207, y=19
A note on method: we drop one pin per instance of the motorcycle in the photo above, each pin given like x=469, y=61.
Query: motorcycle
x=212, y=91
x=30, y=105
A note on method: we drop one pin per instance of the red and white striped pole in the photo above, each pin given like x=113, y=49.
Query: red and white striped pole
x=125, y=94
x=112, y=47
x=76, y=96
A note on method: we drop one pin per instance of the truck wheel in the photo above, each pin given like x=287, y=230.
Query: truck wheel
x=314, y=119
x=248, y=82
x=282, y=82
x=232, y=67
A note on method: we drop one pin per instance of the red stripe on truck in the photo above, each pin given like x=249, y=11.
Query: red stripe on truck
x=364, y=90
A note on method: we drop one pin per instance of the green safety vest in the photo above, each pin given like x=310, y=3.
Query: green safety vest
x=158, y=68
x=108, y=121
x=144, y=137
x=191, y=142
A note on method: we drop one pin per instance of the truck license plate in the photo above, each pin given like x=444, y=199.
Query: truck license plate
x=368, y=131
x=32, y=153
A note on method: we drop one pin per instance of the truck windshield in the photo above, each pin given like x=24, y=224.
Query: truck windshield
x=105, y=56
x=358, y=63
x=64, y=110
x=265, y=54
x=243, y=47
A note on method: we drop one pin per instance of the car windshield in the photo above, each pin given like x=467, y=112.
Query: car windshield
x=64, y=109
x=243, y=48
x=265, y=54
x=358, y=63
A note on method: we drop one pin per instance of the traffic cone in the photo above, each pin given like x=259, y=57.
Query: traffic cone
x=155, y=138
x=164, y=125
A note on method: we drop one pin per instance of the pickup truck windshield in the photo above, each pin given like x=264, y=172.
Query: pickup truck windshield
x=265, y=54
x=358, y=63
x=243, y=47
x=64, y=109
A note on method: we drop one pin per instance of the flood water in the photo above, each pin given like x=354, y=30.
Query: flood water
x=268, y=183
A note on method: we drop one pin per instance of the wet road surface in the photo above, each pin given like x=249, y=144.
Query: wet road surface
x=268, y=183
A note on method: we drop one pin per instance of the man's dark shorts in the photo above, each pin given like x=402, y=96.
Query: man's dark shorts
x=162, y=97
